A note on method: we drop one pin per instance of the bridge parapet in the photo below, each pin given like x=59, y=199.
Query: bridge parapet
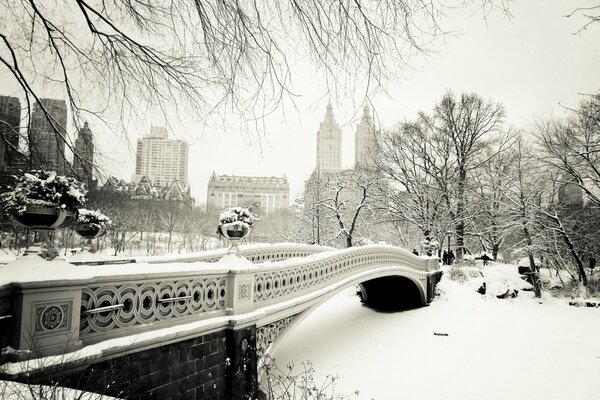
x=84, y=305
x=284, y=280
x=230, y=311
x=258, y=252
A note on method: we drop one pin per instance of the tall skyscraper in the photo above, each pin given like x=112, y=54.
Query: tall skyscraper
x=48, y=134
x=365, y=141
x=10, y=121
x=329, y=143
x=83, y=159
x=160, y=159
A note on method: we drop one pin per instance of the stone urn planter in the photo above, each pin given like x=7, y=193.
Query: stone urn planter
x=91, y=224
x=234, y=230
x=40, y=217
x=235, y=224
x=43, y=201
x=88, y=231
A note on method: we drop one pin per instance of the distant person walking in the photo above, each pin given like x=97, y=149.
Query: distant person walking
x=486, y=259
x=451, y=257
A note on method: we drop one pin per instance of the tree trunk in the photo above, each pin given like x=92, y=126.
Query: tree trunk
x=460, y=210
x=535, y=276
x=571, y=247
x=495, y=250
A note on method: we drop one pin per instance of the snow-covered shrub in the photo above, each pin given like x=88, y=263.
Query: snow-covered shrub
x=456, y=273
x=238, y=216
x=46, y=189
x=291, y=383
x=93, y=218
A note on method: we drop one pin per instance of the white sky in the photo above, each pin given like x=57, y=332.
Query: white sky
x=531, y=63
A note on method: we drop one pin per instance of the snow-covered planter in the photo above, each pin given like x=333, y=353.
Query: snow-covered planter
x=91, y=224
x=43, y=200
x=235, y=223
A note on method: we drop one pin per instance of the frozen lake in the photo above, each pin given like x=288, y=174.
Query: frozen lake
x=495, y=349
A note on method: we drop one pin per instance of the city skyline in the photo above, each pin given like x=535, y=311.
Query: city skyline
x=534, y=69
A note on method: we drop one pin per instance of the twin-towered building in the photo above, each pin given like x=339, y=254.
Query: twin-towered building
x=329, y=142
x=273, y=193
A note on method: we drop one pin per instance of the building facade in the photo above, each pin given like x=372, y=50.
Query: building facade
x=83, y=159
x=272, y=193
x=365, y=141
x=48, y=134
x=10, y=121
x=160, y=159
x=144, y=191
x=329, y=143
x=570, y=193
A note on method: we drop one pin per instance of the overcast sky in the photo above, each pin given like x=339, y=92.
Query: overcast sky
x=532, y=63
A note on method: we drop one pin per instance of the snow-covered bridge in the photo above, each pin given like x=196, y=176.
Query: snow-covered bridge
x=207, y=323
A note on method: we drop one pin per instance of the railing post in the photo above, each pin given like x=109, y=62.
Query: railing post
x=240, y=289
x=46, y=320
x=45, y=314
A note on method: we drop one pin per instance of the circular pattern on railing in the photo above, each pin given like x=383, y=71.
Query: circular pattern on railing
x=51, y=318
x=308, y=274
x=135, y=304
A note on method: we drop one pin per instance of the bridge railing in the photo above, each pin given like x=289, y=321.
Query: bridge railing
x=284, y=280
x=258, y=252
x=79, y=306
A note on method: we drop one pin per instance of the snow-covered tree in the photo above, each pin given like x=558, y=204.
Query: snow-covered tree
x=351, y=201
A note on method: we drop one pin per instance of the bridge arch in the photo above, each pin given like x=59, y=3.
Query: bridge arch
x=273, y=332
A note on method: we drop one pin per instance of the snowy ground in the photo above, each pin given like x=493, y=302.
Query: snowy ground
x=495, y=349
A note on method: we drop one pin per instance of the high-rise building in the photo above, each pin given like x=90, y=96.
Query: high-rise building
x=160, y=159
x=48, y=135
x=365, y=141
x=272, y=193
x=329, y=143
x=10, y=121
x=83, y=159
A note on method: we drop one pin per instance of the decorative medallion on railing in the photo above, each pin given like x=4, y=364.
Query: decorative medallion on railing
x=309, y=274
x=52, y=318
x=265, y=335
x=108, y=307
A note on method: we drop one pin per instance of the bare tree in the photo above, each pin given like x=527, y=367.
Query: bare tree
x=170, y=217
x=573, y=146
x=492, y=223
x=349, y=200
x=590, y=14
x=419, y=172
x=433, y=160
x=471, y=125
x=523, y=200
